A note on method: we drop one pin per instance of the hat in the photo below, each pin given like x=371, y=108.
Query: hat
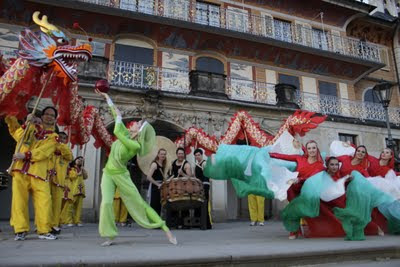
x=146, y=138
x=144, y=162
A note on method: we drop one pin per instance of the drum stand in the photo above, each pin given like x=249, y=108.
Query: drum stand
x=190, y=219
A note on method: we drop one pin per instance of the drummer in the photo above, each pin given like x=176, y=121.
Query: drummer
x=200, y=163
x=180, y=167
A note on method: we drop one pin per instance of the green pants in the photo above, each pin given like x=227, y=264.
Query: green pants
x=139, y=210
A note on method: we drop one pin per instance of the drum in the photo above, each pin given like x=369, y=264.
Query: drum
x=4, y=180
x=182, y=193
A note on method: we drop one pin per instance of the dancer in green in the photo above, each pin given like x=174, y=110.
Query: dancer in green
x=137, y=139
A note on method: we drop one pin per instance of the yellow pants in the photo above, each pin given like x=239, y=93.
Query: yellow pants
x=72, y=210
x=66, y=212
x=120, y=211
x=77, y=210
x=56, y=197
x=256, y=208
x=21, y=186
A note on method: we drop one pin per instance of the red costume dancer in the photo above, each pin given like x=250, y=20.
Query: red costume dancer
x=381, y=166
x=307, y=165
x=358, y=162
x=326, y=224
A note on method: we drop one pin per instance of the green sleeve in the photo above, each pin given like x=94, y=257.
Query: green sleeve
x=113, y=113
x=122, y=134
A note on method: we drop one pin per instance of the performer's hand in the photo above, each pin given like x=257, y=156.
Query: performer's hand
x=159, y=185
x=29, y=117
x=18, y=156
x=180, y=172
x=101, y=93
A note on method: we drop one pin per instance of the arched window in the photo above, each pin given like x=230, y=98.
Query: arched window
x=209, y=64
x=135, y=51
x=369, y=96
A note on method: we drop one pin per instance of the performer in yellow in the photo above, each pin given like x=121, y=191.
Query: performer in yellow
x=58, y=171
x=120, y=211
x=77, y=175
x=30, y=174
x=17, y=131
x=256, y=209
x=67, y=202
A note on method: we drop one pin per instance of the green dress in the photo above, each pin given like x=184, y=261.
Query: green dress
x=116, y=175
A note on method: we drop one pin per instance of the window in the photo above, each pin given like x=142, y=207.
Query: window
x=282, y=30
x=131, y=64
x=209, y=64
x=288, y=79
x=134, y=54
x=319, y=39
x=143, y=6
x=327, y=88
x=369, y=96
x=396, y=143
x=207, y=14
x=351, y=138
x=372, y=107
x=328, y=100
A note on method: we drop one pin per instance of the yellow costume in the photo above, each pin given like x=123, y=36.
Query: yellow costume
x=67, y=201
x=120, y=211
x=72, y=210
x=16, y=131
x=31, y=174
x=58, y=171
x=256, y=208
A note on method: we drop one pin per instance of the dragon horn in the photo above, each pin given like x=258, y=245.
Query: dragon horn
x=45, y=26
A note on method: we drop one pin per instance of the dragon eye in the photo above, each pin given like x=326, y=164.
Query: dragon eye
x=61, y=40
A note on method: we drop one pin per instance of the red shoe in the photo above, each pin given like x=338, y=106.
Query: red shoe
x=293, y=235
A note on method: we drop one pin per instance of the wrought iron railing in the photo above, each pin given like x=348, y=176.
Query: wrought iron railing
x=261, y=92
x=133, y=75
x=237, y=19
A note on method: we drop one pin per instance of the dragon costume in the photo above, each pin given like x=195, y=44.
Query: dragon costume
x=41, y=53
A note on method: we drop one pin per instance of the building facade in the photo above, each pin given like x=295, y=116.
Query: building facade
x=182, y=63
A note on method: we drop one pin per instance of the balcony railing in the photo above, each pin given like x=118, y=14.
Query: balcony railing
x=239, y=20
x=133, y=75
x=260, y=92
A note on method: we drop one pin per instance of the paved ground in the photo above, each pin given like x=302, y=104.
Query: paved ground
x=228, y=244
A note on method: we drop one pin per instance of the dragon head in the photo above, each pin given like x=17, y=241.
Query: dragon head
x=51, y=47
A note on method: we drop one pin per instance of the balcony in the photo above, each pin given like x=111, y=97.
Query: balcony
x=132, y=75
x=239, y=20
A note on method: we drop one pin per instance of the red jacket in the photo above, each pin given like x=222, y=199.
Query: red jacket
x=375, y=169
x=347, y=167
x=304, y=168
